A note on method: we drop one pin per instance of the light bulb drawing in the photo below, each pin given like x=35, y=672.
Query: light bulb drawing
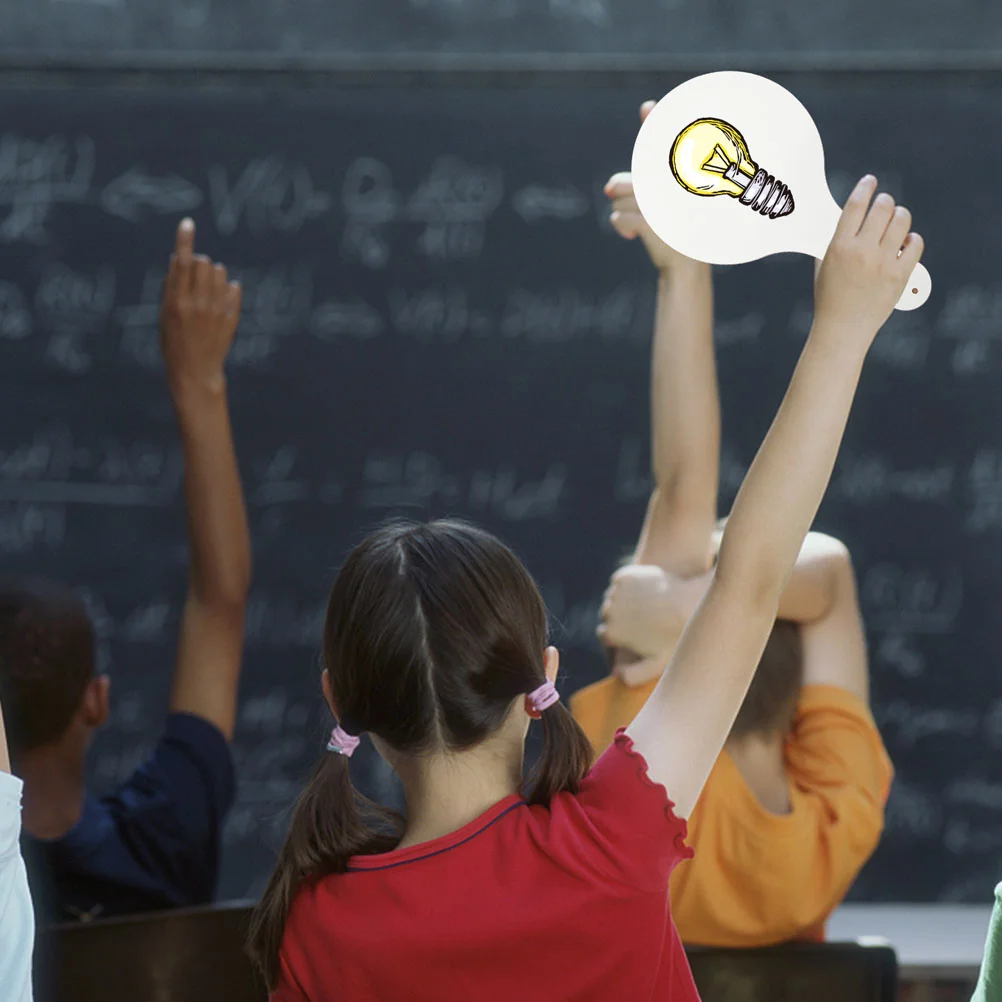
x=710, y=157
x=689, y=152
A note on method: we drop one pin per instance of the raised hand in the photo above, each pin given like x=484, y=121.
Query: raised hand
x=199, y=312
x=627, y=220
x=867, y=266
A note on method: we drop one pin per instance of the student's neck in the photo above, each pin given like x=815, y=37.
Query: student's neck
x=446, y=792
x=762, y=764
x=54, y=791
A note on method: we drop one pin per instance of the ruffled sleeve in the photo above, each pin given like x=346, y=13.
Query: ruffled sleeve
x=632, y=817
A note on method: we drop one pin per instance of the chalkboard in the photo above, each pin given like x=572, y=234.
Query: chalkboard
x=439, y=321
x=906, y=33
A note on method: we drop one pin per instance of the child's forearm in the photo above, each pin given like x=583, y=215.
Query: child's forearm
x=685, y=423
x=781, y=494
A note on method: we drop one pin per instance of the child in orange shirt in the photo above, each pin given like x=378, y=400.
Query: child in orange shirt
x=794, y=805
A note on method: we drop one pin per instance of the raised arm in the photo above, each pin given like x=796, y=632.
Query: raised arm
x=198, y=321
x=684, y=724
x=821, y=596
x=685, y=411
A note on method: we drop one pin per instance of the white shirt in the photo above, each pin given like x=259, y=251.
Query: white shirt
x=17, y=919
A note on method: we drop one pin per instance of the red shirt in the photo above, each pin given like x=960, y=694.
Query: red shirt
x=565, y=903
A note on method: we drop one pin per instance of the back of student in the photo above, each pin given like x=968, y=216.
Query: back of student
x=774, y=854
x=568, y=901
x=435, y=645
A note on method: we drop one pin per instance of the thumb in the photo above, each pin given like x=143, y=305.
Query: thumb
x=646, y=108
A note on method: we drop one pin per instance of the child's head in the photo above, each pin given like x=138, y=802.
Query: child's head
x=47, y=681
x=434, y=635
x=771, y=701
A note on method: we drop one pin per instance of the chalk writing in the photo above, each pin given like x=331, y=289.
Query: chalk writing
x=268, y=195
x=69, y=300
x=972, y=312
x=334, y=320
x=866, y=478
x=912, y=812
x=911, y=723
x=278, y=486
x=26, y=527
x=633, y=480
x=35, y=176
x=903, y=342
x=975, y=791
x=418, y=480
x=15, y=319
x=452, y=204
x=964, y=839
x=536, y=202
x=985, y=483
x=742, y=329
x=920, y=600
x=136, y=194
x=278, y=621
x=568, y=313
x=52, y=468
x=442, y=314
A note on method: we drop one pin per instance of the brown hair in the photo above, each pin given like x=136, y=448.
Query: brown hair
x=432, y=632
x=47, y=647
x=771, y=700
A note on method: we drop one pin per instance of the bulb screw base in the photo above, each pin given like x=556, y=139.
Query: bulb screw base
x=764, y=193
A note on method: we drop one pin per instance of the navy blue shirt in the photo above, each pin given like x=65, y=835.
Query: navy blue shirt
x=152, y=844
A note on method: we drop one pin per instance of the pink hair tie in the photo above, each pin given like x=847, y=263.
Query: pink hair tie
x=342, y=742
x=544, y=697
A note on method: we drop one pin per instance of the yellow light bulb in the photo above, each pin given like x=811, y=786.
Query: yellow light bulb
x=710, y=157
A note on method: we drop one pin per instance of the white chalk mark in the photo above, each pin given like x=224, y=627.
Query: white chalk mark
x=535, y=202
x=136, y=192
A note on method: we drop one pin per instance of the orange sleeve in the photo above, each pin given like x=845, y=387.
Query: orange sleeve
x=836, y=748
x=840, y=777
x=761, y=878
x=601, y=709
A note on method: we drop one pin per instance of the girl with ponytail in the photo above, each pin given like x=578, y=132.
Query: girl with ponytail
x=435, y=647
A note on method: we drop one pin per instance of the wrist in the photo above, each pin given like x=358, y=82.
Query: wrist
x=840, y=339
x=197, y=393
x=683, y=269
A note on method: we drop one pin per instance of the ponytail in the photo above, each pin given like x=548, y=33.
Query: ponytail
x=331, y=822
x=565, y=758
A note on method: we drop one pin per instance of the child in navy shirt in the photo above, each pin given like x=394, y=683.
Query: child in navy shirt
x=155, y=842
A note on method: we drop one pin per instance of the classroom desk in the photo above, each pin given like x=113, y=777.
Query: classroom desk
x=933, y=942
